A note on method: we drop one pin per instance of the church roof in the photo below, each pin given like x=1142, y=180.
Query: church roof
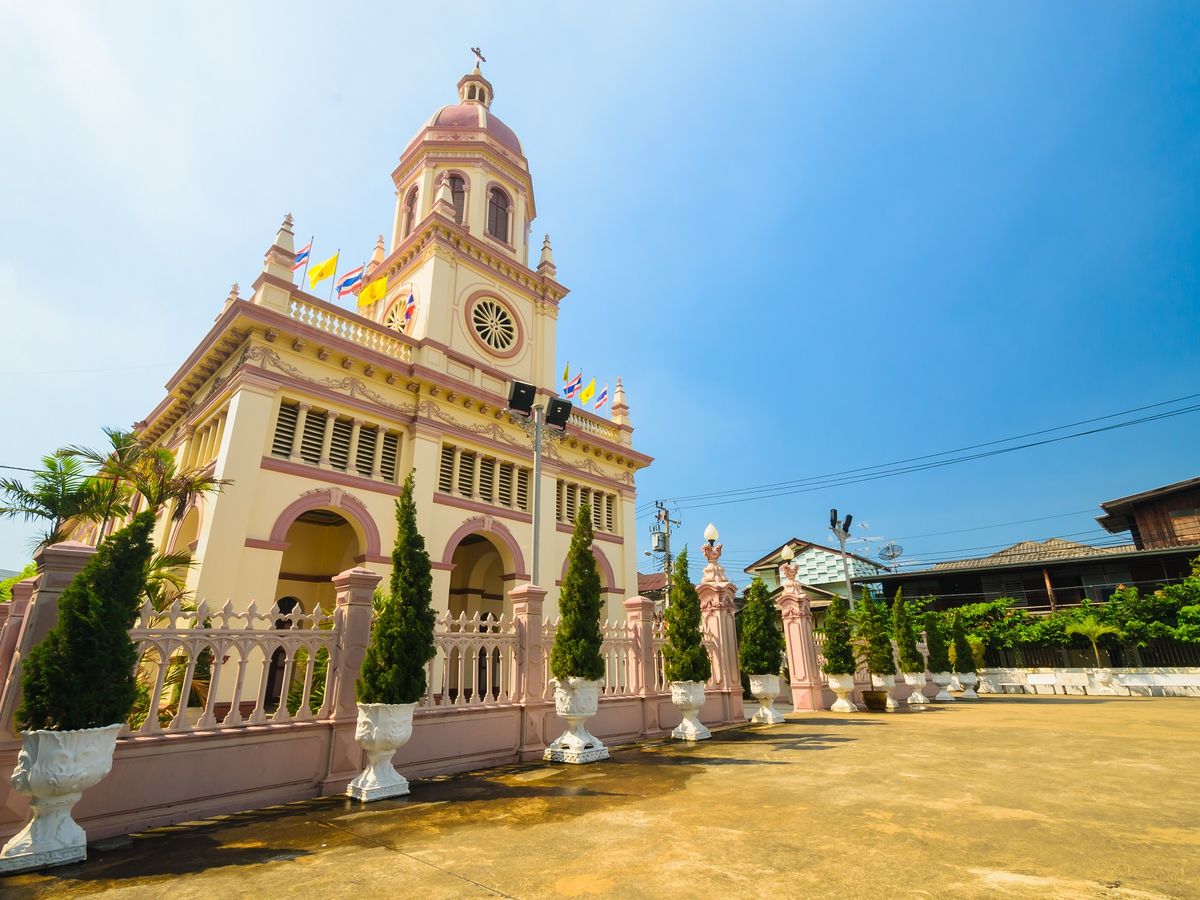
x=472, y=115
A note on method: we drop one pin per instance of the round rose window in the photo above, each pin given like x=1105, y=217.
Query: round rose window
x=494, y=325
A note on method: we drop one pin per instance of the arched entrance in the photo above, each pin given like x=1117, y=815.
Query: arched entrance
x=481, y=573
x=477, y=580
x=320, y=544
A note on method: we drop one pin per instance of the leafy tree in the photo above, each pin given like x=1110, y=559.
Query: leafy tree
x=576, y=651
x=393, y=669
x=1092, y=629
x=113, y=465
x=760, y=650
x=82, y=674
x=964, y=658
x=935, y=641
x=911, y=659
x=685, y=657
x=836, y=644
x=155, y=475
x=873, y=627
x=60, y=494
x=6, y=586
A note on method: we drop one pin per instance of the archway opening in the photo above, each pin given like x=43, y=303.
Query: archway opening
x=320, y=544
x=477, y=585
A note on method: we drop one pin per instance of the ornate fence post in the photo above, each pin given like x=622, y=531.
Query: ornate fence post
x=352, y=620
x=716, y=594
x=530, y=688
x=808, y=689
x=57, y=565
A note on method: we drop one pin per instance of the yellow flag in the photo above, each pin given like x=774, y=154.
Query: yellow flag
x=566, y=373
x=372, y=292
x=588, y=391
x=321, y=271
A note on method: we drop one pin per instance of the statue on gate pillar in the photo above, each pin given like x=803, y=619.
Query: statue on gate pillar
x=795, y=608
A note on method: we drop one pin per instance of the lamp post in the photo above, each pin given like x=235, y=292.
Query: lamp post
x=533, y=419
x=842, y=531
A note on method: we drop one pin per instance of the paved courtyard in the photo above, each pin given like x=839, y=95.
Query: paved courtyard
x=1006, y=797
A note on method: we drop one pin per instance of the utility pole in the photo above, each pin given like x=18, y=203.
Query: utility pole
x=664, y=516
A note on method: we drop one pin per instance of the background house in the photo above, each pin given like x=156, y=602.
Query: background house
x=821, y=572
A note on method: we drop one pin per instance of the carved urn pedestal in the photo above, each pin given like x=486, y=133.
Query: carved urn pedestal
x=765, y=689
x=382, y=729
x=54, y=768
x=843, y=686
x=916, y=681
x=886, y=685
x=689, y=697
x=576, y=700
x=968, y=680
x=942, y=681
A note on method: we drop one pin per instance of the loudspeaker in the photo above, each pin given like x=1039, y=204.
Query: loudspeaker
x=558, y=412
x=520, y=397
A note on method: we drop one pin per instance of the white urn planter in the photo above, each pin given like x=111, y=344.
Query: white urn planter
x=765, y=689
x=955, y=683
x=689, y=697
x=916, y=681
x=382, y=729
x=968, y=680
x=576, y=700
x=54, y=768
x=886, y=683
x=843, y=686
x=942, y=681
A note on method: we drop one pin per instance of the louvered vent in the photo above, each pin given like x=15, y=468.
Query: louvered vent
x=506, y=484
x=609, y=516
x=559, y=487
x=466, y=473
x=339, y=446
x=285, y=429
x=487, y=479
x=365, y=457
x=523, y=490
x=446, y=470
x=314, y=434
x=387, y=463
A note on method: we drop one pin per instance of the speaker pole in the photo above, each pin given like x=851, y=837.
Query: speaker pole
x=538, y=412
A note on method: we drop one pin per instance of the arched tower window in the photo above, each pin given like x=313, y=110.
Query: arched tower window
x=458, y=193
x=410, y=212
x=498, y=215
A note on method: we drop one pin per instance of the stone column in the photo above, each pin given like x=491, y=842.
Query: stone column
x=807, y=685
x=57, y=565
x=298, y=436
x=530, y=689
x=643, y=675
x=327, y=440
x=352, y=619
x=716, y=621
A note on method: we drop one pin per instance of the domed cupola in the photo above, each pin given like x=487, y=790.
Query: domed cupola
x=474, y=88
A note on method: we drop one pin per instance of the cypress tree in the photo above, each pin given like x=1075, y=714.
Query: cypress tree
x=576, y=651
x=906, y=638
x=684, y=655
x=964, y=659
x=393, y=669
x=760, y=649
x=835, y=641
x=874, y=630
x=82, y=674
x=935, y=640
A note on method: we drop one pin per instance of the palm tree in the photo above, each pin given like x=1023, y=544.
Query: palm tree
x=155, y=476
x=61, y=493
x=112, y=466
x=1092, y=629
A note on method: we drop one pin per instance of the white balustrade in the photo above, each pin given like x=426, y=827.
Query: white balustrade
x=475, y=662
x=240, y=666
x=599, y=428
x=327, y=319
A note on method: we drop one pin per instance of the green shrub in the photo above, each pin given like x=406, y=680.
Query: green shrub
x=685, y=657
x=935, y=642
x=82, y=674
x=836, y=644
x=393, y=669
x=873, y=628
x=911, y=659
x=760, y=650
x=6, y=585
x=576, y=651
x=964, y=657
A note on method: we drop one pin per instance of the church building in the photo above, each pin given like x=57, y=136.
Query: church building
x=316, y=414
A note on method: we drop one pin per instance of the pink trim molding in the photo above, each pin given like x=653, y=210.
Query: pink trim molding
x=329, y=498
x=477, y=506
x=489, y=527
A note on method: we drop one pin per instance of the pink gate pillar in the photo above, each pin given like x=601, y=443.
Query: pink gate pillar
x=807, y=685
x=57, y=565
x=716, y=621
x=530, y=677
x=352, y=619
x=643, y=667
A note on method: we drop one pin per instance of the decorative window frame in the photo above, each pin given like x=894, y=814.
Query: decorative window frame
x=469, y=307
x=409, y=223
x=512, y=214
x=400, y=299
x=466, y=219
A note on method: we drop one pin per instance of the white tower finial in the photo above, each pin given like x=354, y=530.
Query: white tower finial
x=546, y=263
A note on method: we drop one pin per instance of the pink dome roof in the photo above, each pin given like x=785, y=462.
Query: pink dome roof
x=472, y=114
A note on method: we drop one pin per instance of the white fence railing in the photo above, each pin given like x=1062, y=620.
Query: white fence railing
x=330, y=322
x=206, y=669
x=475, y=662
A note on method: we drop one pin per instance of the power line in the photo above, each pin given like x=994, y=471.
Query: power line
x=83, y=372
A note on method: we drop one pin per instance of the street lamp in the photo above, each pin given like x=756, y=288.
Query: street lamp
x=555, y=413
x=842, y=530
x=711, y=534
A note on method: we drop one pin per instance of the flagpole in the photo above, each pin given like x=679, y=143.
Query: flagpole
x=337, y=258
x=307, y=260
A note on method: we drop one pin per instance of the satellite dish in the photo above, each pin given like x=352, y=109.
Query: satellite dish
x=891, y=551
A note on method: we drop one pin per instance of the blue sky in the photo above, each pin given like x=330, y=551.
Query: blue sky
x=814, y=236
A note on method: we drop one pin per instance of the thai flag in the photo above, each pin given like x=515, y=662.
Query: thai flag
x=302, y=256
x=602, y=398
x=410, y=309
x=348, y=280
x=574, y=386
